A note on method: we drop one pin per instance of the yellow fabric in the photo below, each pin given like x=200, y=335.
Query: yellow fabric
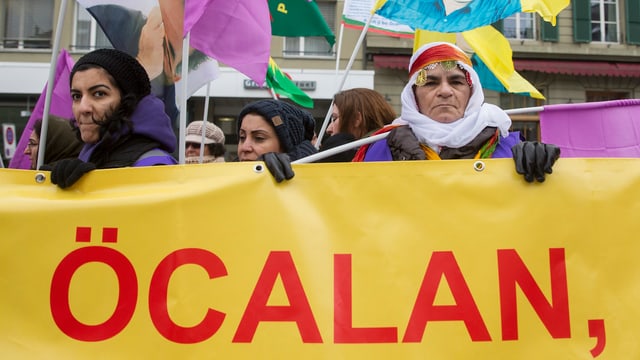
x=547, y=9
x=422, y=37
x=351, y=241
x=495, y=51
x=378, y=4
x=430, y=153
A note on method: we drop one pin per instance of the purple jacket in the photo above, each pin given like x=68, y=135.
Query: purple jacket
x=379, y=151
x=150, y=143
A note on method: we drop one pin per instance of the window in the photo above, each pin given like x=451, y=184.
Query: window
x=313, y=45
x=520, y=26
x=592, y=96
x=515, y=101
x=604, y=21
x=88, y=35
x=28, y=24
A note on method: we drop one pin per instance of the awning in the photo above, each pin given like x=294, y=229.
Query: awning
x=584, y=68
x=577, y=68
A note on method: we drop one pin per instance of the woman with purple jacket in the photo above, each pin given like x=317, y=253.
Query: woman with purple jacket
x=444, y=116
x=120, y=122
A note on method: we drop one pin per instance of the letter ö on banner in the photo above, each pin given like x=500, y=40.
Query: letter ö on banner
x=127, y=297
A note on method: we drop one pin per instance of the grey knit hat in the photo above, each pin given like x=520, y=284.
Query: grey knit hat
x=293, y=125
x=129, y=75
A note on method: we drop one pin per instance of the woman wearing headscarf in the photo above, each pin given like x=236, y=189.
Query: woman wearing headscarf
x=120, y=122
x=444, y=116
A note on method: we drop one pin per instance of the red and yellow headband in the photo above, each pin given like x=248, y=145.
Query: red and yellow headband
x=436, y=54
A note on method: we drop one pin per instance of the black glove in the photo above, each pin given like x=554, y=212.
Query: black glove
x=404, y=145
x=279, y=165
x=67, y=171
x=534, y=159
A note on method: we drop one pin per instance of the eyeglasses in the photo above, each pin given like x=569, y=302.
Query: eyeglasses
x=32, y=144
x=192, y=144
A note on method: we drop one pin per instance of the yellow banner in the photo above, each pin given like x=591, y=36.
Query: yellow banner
x=400, y=260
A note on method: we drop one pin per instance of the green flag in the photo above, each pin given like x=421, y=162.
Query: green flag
x=296, y=18
x=280, y=83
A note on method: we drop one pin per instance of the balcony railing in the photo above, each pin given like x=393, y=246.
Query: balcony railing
x=25, y=43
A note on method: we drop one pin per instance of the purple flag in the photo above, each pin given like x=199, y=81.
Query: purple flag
x=60, y=106
x=594, y=129
x=237, y=33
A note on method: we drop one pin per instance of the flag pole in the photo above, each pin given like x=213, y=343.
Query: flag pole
x=273, y=93
x=52, y=72
x=344, y=77
x=339, y=49
x=205, y=121
x=338, y=149
x=183, y=98
x=526, y=110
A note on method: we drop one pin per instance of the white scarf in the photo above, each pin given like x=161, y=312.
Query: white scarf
x=434, y=134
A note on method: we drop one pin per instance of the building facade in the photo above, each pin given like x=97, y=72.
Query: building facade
x=592, y=54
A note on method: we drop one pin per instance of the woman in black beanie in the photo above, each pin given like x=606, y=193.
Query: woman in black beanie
x=276, y=132
x=119, y=120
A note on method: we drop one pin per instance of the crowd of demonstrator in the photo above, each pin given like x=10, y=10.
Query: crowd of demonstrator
x=119, y=123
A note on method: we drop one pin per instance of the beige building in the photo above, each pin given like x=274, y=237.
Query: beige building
x=592, y=54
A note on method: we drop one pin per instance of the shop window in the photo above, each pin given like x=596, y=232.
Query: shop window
x=592, y=96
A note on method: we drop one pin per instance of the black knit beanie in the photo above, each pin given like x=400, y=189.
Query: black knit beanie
x=293, y=125
x=129, y=75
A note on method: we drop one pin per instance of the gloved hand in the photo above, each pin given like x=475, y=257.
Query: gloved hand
x=279, y=165
x=404, y=145
x=67, y=171
x=534, y=159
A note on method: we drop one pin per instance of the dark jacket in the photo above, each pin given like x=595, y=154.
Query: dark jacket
x=151, y=132
x=337, y=140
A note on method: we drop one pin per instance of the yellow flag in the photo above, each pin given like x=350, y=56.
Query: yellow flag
x=495, y=51
x=492, y=48
x=378, y=5
x=422, y=37
x=548, y=9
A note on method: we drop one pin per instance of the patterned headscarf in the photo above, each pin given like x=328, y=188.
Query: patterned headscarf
x=477, y=115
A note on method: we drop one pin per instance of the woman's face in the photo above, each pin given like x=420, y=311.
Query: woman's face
x=334, y=126
x=193, y=149
x=32, y=149
x=444, y=96
x=95, y=96
x=256, y=137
